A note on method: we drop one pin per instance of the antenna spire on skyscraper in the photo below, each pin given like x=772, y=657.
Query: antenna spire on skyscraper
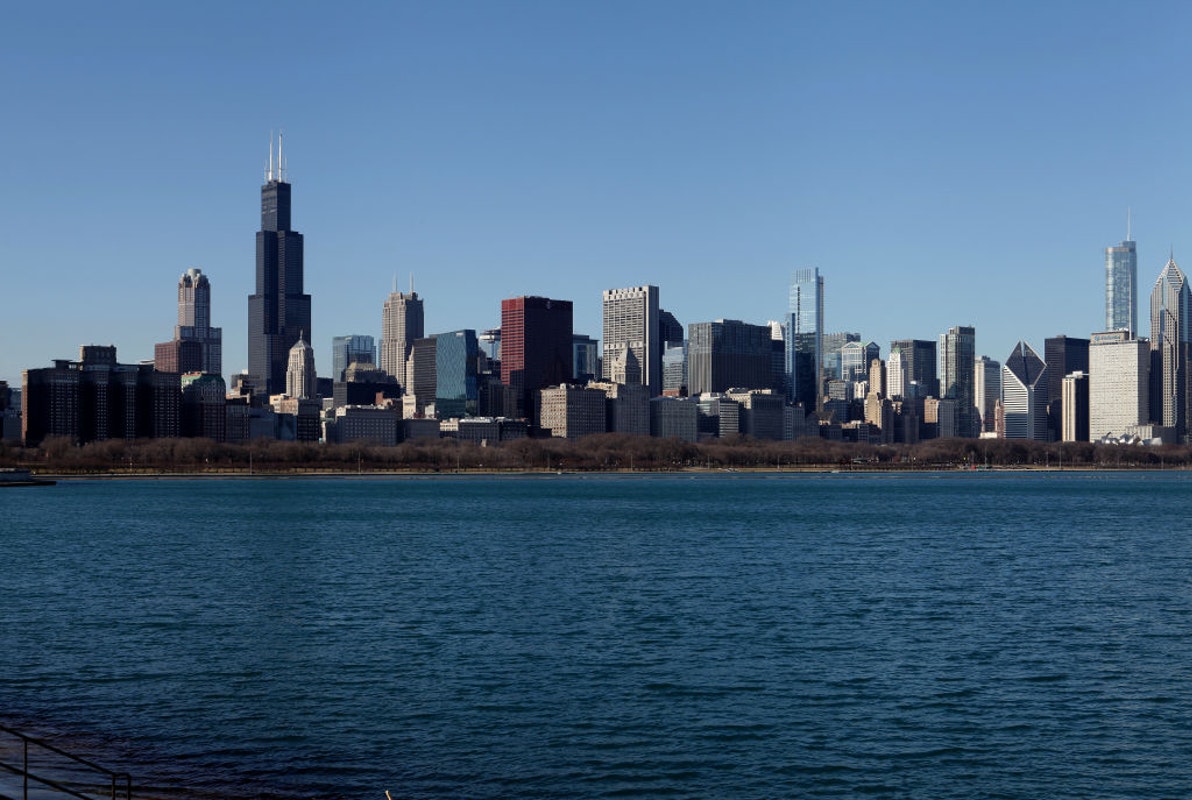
x=1128, y=220
x=269, y=171
x=281, y=170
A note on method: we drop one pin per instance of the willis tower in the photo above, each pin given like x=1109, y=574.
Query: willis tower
x=279, y=312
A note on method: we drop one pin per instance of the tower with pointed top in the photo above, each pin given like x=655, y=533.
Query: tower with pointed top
x=279, y=310
x=300, y=370
x=1171, y=347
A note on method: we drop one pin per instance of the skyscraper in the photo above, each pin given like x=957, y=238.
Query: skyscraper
x=958, y=359
x=456, y=380
x=401, y=324
x=1121, y=286
x=728, y=354
x=348, y=350
x=918, y=357
x=1024, y=394
x=988, y=377
x=535, y=347
x=805, y=338
x=300, y=370
x=1119, y=384
x=279, y=311
x=196, y=346
x=631, y=319
x=1171, y=333
x=1064, y=355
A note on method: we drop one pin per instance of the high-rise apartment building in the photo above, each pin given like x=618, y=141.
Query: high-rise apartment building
x=988, y=376
x=1119, y=383
x=957, y=362
x=196, y=346
x=728, y=354
x=631, y=319
x=536, y=339
x=805, y=338
x=348, y=350
x=279, y=310
x=402, y=322
x=1171, y=334
x=1121, y=286
x=1064, y=355
x=1024, y=394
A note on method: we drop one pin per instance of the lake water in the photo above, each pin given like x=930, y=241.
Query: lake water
x=733, y=636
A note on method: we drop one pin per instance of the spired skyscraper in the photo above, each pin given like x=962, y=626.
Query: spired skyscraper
x=402, y=321
x=1171, y=334
x=1121, y=286
x=279, y=311
x=805, y=339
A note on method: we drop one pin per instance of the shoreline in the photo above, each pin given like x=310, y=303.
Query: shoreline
x=622, y=473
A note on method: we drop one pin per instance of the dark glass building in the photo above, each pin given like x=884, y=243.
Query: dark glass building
x=536, y=336
x=457, y=355
x=728, y=354
x=1064, y=355
x=279, y=311
x=918, y=366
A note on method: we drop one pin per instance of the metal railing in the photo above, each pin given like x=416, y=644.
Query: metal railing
x=114, y=784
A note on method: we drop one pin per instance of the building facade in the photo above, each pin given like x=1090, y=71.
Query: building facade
x=1024, y=394
x=457, y=388
x=804, y=325
x=300, y=371
x=536, y=340
x=957, y=361
x=348, y=350
x=1119, y=383
x=1121, y=287
x=1064, y=355
x=570, y=411
x=1171, y=334
x=918, y=359
x=988, y=375
x=402, y=321
x=1075, y=424
x=728, y=354
x=196, y=346
x=279, y=310
x=96, y=398
x=631, y=320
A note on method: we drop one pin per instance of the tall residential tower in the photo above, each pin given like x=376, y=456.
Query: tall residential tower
x=805, y=339
x=279, y=311
x=1121, y=286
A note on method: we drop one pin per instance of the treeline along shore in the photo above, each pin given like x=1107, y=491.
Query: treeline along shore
x=597, y=453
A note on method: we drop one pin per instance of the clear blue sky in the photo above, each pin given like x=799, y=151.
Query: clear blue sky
x=941, y=163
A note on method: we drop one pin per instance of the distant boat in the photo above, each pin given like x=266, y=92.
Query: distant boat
x=12, y=477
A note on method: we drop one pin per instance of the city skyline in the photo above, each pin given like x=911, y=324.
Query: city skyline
x=560, y=151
